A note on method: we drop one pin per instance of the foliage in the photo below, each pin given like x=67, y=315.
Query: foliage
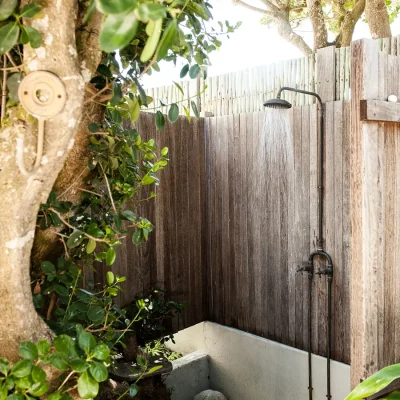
x=155, y=311
x=376, y=382
x=157, y=348
x=124, y=167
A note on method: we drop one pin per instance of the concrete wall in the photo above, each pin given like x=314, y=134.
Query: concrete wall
x=248, y=367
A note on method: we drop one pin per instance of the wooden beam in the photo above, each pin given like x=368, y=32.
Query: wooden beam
x=376, y=110
x=326, y=73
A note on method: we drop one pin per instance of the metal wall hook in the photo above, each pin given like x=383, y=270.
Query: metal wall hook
x=42, y=94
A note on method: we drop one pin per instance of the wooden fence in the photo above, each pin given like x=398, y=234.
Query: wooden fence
x=174, y=258
x=245, y=91
x=258, y=237
x=229, y=245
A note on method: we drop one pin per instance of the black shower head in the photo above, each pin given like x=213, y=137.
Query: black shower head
x=277, y=103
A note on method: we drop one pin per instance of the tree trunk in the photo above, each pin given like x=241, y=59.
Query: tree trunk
x=316, y=15
x=349, y=23
x=378, y=18
x=73, y=176
x=21, y=196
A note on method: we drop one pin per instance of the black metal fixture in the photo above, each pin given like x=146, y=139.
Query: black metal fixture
x=320, y=252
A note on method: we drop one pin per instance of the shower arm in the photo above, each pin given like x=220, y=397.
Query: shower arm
x=300, y=91
x=320, y=239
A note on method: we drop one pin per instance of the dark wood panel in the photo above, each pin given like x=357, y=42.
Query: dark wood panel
x=174, y=258
x=263, y=225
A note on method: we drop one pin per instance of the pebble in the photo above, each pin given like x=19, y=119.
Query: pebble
x=210, y=395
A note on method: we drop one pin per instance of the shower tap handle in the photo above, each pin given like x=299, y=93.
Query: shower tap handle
x=305, y=268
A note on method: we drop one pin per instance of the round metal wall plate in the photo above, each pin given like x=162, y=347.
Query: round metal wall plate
x=42, y=94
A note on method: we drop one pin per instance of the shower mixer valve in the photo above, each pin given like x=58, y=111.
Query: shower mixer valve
x=307, y=267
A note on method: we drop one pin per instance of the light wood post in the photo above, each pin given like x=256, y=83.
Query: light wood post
x=366, y=215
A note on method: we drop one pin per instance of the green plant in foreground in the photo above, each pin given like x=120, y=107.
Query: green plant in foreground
x=376, y=382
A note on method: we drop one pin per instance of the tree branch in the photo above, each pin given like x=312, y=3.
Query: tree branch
x=349, y=23
x=250, y=7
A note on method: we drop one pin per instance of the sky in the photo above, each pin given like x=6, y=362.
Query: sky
x=250, y=45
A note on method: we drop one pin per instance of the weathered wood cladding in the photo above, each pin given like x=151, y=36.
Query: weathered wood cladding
x=230, y=248
x=375, y=212
x=243, y=244
x=257, y=238
x=245, y=91
x=174, y=258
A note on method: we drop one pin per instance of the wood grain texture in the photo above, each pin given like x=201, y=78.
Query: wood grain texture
x=174, y=258
x=375, y=110
x=276, y=225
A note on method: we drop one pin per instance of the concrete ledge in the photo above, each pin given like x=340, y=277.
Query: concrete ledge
x=189, y=376
x=247, y=367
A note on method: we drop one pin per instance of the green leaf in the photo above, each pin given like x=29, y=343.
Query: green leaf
x=187, y=113
x=141, y=361
x=133, y=390
x=4, y=366
x=49, y=269
x=375, y=382
x=16, y=396
x=138, y=237
x=96, y=314
x=194, y=71
x=152, y=41
x=110, y=256
x=117, y=93
x=43, y=347
x=117, y=32
x=148, y=180
x=39, y=389
x=154, y=369
x=167, y=39
x=86, y=341
x=160, y=120
x=79, y=365
x=152, y=11
x=95, y=231
x=91, y=246
x=101, y=352
x=75, y=239
x=65, y=344
x=22, y=368
x=393, y=396
x=59, y=361
x=134, y=109
x=173, y=113
x=30, y=10
x=184, y=71
x=54, y=396
x=61, y=290
x=179, y=87
x=195, y=110
x=10, y=382
x=110, y=277
x=3, y=391
x=9, y=34
x=98, y=371
x=87, y=386
x=7, y=7
x=129, y=215
x=28, y=350
x=114, y=6
x=13, y=82
x=93, y=127
x=33, y=35
x=38, y=375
